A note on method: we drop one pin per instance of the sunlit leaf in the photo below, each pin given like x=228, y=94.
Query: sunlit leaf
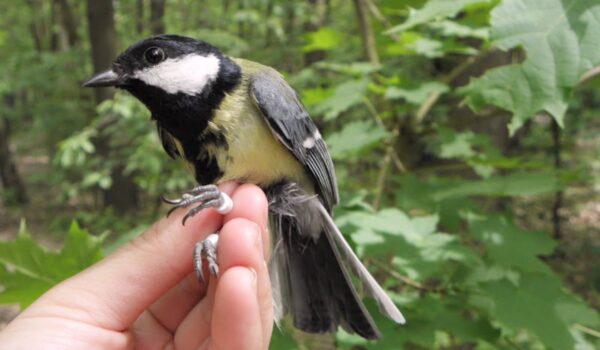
x=560, y=39
x=416, y=95
x=324, y=39
x=434, y=9
x=455, y=29
x=345, y=96
x=354, y=138
x=518, y=184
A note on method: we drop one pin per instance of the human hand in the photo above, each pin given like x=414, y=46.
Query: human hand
x=146, y=296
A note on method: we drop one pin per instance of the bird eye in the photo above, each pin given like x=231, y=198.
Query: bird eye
x=154, y=55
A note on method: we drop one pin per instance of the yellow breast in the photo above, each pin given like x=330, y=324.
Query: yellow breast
x=254, y=154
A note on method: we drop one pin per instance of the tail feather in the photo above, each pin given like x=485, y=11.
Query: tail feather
x=311, y=269
x=374, y=290
x=321, y=294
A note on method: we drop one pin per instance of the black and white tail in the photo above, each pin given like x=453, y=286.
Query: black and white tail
x=311, y=269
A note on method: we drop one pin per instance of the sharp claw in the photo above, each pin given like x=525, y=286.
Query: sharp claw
x=186, y=217
x=205, y=252
x=171, y=211
x=207, y=197
x=170, y=201
x=198, y=262
x=214, y=269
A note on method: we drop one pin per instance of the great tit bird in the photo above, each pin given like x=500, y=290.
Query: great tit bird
x=234, y=119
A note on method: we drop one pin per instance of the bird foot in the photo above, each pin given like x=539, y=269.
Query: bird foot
x=206, y=249
x=208, y=196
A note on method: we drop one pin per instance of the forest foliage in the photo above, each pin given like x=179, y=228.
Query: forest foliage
x=450, y=124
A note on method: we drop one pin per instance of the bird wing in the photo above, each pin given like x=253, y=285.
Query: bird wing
x=291, y=125
x=168, y=142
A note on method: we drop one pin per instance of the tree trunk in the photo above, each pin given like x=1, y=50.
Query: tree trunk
x=269, y=31
x=103, y=39
x=558, y=197
x=9, y=176
x=139, y=17
x=55, y=32
x=38, y=26
x=68, y=22
x=366, y=32
x=319, y=8
x=157, y=14
x=241, y=24
x=122, y=195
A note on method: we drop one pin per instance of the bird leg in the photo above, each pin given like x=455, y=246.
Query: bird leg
x=208, y=196
x=206, y=249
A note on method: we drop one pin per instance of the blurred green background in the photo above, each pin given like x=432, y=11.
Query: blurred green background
x=464, y=134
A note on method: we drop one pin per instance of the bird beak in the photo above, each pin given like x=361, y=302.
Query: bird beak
x=106, y=78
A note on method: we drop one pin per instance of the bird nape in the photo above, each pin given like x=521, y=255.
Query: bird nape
x=234, y=119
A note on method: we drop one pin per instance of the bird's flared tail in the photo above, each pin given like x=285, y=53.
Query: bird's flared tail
x=312, y=268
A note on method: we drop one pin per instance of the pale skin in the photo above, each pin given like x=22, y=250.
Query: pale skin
x=146, y=295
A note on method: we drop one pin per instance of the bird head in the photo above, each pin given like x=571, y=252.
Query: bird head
x=160, y=68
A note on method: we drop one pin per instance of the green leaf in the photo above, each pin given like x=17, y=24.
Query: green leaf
x=455, y=29
x=282, y=340
x=345, y=96
x=560, y=39
x=312, y=97
x=447, y=314
x=357, y=69
x=432, y=10
x=416, y=95
x=323, y=39
x=531, y=305
x=27, y=269
x=517, y=184
x=475, y=149
x=417, y=248
x=511, y=247
x=354, y=138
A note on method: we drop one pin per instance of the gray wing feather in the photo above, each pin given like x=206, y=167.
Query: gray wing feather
x=344, y=253
x=291, y=124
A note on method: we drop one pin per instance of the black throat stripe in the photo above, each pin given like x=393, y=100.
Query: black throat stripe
x=186, y=118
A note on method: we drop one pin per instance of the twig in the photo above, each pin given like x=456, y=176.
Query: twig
x=390, y=155
x=431, y=100
x=395, y=157
x=381, y=18
x=589, y=75
x=397, y=275
x=385, y=166
x=587, y=330
x=512, y=343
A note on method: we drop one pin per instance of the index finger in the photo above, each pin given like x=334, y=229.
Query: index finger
x=115, y=291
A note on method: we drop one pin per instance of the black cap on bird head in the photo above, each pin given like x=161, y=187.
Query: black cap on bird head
x=172, y=63
x=177, y=78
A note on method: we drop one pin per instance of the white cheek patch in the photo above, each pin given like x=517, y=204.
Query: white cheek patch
x=188, y=74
